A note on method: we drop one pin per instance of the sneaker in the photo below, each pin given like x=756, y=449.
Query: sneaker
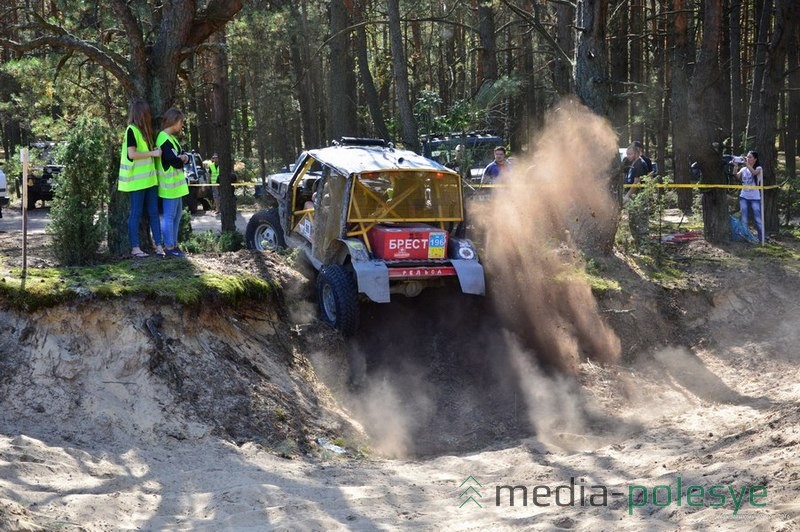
x=160, y=251
x=175, y=252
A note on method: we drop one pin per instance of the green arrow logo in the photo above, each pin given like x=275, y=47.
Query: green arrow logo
x=470, y=492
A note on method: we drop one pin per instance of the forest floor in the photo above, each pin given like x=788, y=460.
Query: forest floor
x=138, y=415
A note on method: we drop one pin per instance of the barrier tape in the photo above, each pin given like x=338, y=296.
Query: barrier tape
x=671, y=185
x=657, y=185
x=232, y=184
x=708, y=185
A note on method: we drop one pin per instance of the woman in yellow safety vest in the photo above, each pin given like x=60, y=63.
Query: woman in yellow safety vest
x=137, y=174
x=172, y=186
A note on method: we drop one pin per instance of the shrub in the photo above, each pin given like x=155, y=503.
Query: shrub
x=78, y=220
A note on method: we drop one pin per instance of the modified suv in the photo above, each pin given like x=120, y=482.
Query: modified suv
x=374, y=221
x=196, y=174
x=40, y=179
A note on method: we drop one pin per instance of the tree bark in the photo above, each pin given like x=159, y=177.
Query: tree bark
x=487, y=71
x=370, y=92
x=738, y=110
x=341, y=105
x=682, y=60
x=591, y=82
x=408, y=124
x=762, y=42
x=705, y=131
x=787, y=13
x=222, y=127
x=304, y=77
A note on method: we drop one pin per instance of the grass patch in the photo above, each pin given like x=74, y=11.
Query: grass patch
x=172, y=280
x=209, y=242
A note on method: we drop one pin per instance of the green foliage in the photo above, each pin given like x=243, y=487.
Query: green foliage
x=164, y=279
x=78, y=220
x=207, y=241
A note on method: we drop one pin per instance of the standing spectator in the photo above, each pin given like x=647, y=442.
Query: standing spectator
x=137, y=175
x=213, y=170
x=172, y=186
x=3, y=185
x=638, y=210
x=639, y=166
x=497, y=168
x=750, y=198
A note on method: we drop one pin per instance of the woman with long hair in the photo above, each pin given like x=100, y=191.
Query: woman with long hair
x=172, y=185
x=137, y=175
x=750, y=198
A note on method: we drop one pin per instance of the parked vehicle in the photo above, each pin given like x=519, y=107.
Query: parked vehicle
x=373, y=220
x=477, y=151
x=196, y=174
x=40, y=176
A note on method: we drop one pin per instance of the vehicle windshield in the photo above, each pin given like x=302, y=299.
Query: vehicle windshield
x=405, y=196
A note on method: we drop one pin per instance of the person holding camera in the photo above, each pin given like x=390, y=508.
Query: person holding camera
x=172, y=186
x=751, y=174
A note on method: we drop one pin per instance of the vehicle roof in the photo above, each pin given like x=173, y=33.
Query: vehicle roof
x=357, y=159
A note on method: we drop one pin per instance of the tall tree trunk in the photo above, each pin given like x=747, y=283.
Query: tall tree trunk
x=370, y=93
x=222, y=127
x=787, y=13
x=762, y=42
x=407, y=123
x=637, y=29
x=342, y=105
x=565, y=38
x=247, y=142
x=682, y=61
x=737, y=89
x=304, y=77
x=792, y=125
x=488, y=51
x=618, y=53
x=591, y=81
x=704, y=108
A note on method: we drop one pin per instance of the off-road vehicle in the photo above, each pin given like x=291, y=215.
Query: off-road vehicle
x=373, y=220
x=196, y=174
x=477, y=151
x=40, y=178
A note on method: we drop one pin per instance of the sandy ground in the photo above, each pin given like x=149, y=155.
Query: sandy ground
x=722, y=417
x=696, y=427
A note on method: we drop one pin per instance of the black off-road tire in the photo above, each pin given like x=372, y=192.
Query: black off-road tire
x=190, y=200
x=264, y=231
x=338, y=298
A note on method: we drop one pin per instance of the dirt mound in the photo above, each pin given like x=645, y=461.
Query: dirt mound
x=123, y=370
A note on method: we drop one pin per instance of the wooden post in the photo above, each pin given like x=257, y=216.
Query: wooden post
x=23, y=156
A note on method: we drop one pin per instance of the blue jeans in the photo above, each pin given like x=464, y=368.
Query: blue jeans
x=141, y=199
x=748, y=206
x=173, y=209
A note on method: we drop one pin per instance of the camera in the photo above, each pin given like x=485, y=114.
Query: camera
x=737, y=159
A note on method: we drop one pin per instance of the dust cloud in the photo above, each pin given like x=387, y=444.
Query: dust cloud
x=445, y=371
x=555, y=207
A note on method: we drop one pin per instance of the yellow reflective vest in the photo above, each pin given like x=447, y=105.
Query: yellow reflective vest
x=171, y=181
x=213, y=169
x=139, y=174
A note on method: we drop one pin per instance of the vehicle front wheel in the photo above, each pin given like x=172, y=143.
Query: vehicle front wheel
x=264, y=231
x=338, y=298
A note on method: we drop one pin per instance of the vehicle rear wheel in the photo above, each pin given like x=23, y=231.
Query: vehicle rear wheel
x=338, y=298
x=190, y=200
x=264, y=231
